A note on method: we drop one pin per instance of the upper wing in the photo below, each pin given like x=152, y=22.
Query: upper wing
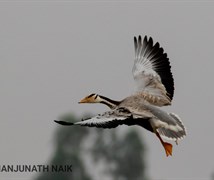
x=152, y=72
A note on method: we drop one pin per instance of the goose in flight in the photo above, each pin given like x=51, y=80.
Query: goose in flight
x=155, y=88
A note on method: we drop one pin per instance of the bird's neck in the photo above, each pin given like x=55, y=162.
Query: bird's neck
x=109, y=102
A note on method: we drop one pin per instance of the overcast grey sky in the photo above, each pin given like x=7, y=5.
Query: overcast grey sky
x=53, y=53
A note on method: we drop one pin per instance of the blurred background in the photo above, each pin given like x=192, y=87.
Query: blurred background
x=97, y=154
x=53, y=53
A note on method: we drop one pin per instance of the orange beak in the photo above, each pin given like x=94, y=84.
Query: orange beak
x=84, y=100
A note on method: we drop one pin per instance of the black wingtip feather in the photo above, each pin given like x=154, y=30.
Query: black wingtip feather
x=135, y=44
x=139, y=41
x=64, y=123
x=150, y=40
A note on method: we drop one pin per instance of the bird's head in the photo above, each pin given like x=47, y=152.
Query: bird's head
x=92, y=98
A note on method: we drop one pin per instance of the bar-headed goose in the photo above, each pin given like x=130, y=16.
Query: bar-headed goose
x=152, y=73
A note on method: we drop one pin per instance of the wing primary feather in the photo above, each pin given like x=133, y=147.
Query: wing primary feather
x=144, y=49
x=64, y=123
x=149, y=47
x=154, y=51
x=139, y=40
x=139, y=45
x=135, y=46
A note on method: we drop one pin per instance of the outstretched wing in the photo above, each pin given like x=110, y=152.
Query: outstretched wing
x=152, y=72
x=109, y=119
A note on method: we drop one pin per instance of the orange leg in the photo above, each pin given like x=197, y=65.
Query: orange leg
x=167, y=146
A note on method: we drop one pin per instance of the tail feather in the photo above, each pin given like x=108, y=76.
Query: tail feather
x=173, y=135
